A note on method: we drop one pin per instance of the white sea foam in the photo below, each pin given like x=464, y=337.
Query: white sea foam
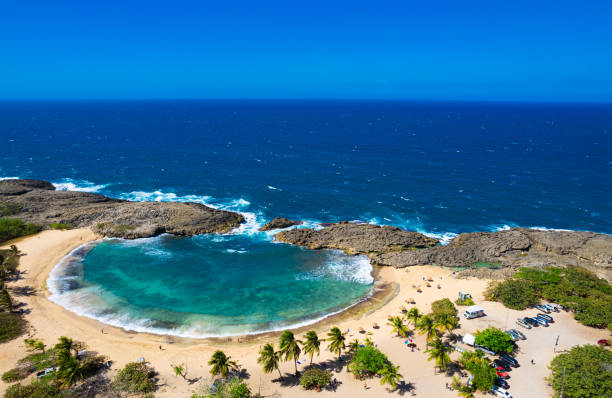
x=68, y=184
x=443, y=237
x=270, y=187
x=9, y=178
x=339, y=266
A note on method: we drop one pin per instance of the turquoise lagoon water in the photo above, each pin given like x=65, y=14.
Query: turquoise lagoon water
x=208, y=285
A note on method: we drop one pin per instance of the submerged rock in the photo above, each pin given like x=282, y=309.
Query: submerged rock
x=357, y=238
x=38, y=202
x=279, y=223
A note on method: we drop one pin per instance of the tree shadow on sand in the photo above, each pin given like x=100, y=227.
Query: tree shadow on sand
x=404, y=388
x=23, y=291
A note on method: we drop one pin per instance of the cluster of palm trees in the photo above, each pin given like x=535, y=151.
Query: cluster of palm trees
x=433, y=327
x=290, y=348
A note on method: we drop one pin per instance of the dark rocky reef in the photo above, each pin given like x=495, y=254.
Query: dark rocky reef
x=279, y=223
x=357, y=238
x=390, y=246
x=515, y=247
x=38, y=202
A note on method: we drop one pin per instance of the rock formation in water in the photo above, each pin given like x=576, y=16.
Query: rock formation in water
x=40, y=203
x=357, y=238
x=389, y=246
x=279, y=223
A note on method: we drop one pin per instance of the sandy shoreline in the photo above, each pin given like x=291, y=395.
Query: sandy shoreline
x=48, y=321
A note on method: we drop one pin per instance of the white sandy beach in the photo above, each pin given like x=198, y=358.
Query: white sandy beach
x=48, y=321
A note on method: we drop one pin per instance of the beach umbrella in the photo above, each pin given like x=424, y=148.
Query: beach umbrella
x=361, y=330
x=403, y=309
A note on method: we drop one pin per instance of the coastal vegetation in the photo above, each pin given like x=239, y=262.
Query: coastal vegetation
x=583, y=372
x=136, y=378
x=221, y=364
x=467, y=301
x=223, y=388
x=269, y=359
x=495, y=339
x=11, y=228
x=439, y=352
x=12, y=324
x=289, y=347
x=60, y=226
x=336, y=340
x=581, y=291
x=315, y=378
x=312, y=344
x=62, y=370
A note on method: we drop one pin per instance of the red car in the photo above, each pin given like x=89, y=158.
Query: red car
x=503, y=374
x=604, y=342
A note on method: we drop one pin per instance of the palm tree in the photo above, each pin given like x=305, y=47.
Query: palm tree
x=336, y=341
x=368, y=342
x=427, y=327
x=269, y=359
x=312, y=344
x=389, y=375
x=68, y=344
x=179, y=370
x=398, y=326
x=354, y=345
x=35, y=345
x=439, y=352
x=221, y=364
x=69, y=369
x=446, y=323
x=289, y=347
x=413, y=315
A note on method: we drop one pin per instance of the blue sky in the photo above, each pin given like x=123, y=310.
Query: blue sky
x=475, y=50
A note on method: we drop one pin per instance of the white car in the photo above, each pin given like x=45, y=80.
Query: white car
x=500, y=392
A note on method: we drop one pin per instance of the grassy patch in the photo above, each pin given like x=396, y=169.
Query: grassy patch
x=11, y=326
x=39, y=360
x=61, y=226
x=123, y=228
x=467, y=301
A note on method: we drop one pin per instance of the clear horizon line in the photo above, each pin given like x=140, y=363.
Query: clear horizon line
x=295, y=99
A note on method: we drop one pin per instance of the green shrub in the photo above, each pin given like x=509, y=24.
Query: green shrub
x=234, y=388
x=17, y=374
x=43, y=388
x=468, y=301
x=483, y=376
x=315, y=378
x=11, y=228
x=9, y=209
x=443, y=306
x=123, y=228
x=584, y=372
x=11, y=326
x=517, y=294
x=39, y=360
x=135, y=378
x=495, y=339
x=59, y=225
x=367, y=361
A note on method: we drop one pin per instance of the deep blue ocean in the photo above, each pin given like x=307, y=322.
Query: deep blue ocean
x=436, y=167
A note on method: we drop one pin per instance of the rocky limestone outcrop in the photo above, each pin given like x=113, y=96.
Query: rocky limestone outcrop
x=515, y=247
x=40, y=203
x=279, y=223
x=357, y=238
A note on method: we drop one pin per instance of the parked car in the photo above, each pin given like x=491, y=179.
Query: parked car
x=484, y=349
x=604, y=342
x=552, y=307
x=540, y=321
x=531, y=321
x=519, y=334
x=501, y=383
x=502, y=365
x=45, y=372
x=513, y=362
x=522, y=323
x=500, y=392
x=559, y=306
x=542, y=308
x=502, y=374
x=514, y=336
x=547, y=318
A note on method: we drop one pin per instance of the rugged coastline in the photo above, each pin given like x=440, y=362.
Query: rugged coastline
x=38, y=202
x=515, y=247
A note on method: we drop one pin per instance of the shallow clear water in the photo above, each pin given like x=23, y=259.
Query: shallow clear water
x=208, y=285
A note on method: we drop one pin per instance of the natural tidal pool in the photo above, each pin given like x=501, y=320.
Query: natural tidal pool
x=207, y=285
